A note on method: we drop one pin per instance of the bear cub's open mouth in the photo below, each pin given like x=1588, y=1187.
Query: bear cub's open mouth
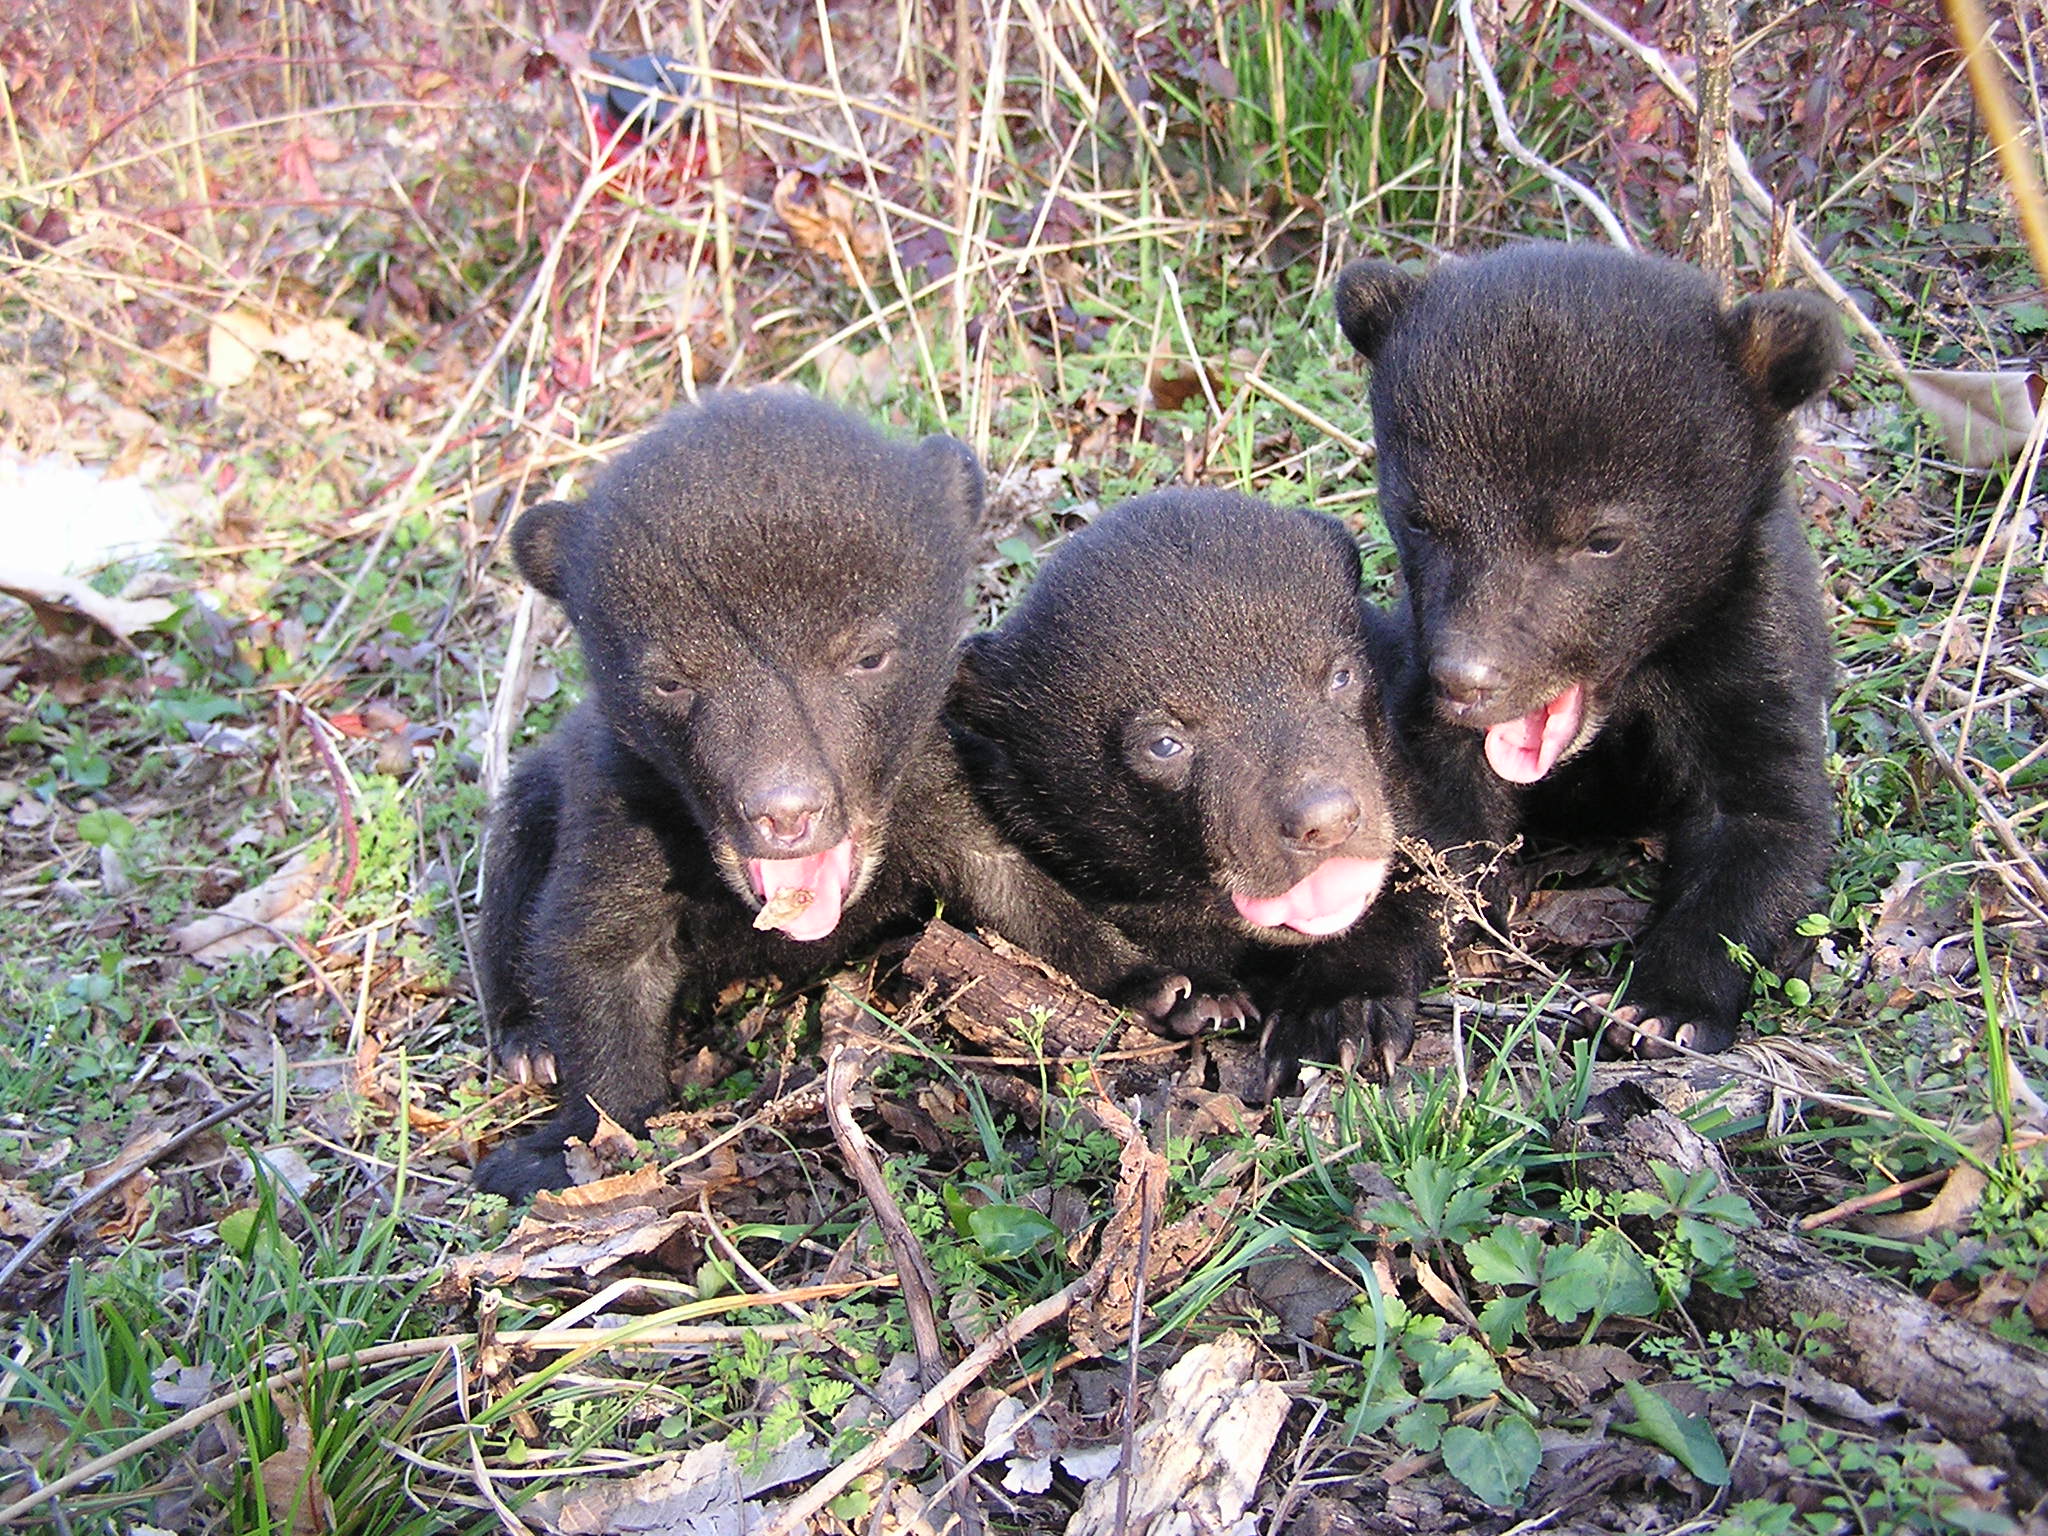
x=1524, y=749
x=804, y=897
x=1329, y=899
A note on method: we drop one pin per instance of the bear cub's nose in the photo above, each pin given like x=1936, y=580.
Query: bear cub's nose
x=784, y=813
x=1464, y=677
x=1324, y=816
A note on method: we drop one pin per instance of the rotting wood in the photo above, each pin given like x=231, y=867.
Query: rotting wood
x=993, y=996
x=1972, y=1386
x=1199, y=1456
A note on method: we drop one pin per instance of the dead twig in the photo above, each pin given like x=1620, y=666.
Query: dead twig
x=1752, y=190
x=949, y=1390
x=344, y=792
x=844, y=1064
x=120, y=1175
x=1511, y=141
x=2008, y=838
x=1147, y=1213
x=1876, y=1197
x=530, y=303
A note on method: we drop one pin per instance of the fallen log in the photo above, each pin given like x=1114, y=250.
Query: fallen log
x=1009, y=1002
x=1981, y=1392
x=1974, y=1387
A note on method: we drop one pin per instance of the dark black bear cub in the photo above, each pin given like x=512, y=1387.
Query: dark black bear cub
x=1181, y=721
x=768, y=595
x=1582, y=457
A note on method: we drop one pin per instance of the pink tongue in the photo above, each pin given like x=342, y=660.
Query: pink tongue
x=1329, y=899
x=1522, y=751
x=825, y=875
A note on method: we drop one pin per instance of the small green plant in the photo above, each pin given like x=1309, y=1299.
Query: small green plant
x=1877, y=1487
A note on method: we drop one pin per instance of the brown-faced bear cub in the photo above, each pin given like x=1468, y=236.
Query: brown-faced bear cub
x=1181, y=720
x=1582, y=458
x=769, y=595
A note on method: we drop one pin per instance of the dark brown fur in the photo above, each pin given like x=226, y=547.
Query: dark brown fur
x=769, y=595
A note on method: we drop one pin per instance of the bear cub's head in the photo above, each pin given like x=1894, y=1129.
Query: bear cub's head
x=1575, y=447
x=769, y=594
x=1181, y=708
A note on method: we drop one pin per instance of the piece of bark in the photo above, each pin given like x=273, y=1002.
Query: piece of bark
x=1975, y=1388
x=994, y=997
x=1201, y=1453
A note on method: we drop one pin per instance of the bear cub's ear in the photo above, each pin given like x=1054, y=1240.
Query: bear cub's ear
x=1370, y=295
x=955, y=478
x=971, y=703
x=1788, y=345
x=539, y=545
x=971, y=696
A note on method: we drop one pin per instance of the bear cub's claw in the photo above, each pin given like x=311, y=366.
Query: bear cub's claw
x=1648, y=1032
x=1368, y=1035
x=1179, y=1006
x=527, y=1062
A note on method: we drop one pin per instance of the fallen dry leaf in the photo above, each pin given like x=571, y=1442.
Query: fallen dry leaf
x=1955, y=1203
x=1985, y=418
x=784, y=907
x=1584, y=918
x=178, y=1385
x=235, y=344
x=1173, y=385
x=291, y=1479
x=127, y=1217
x=21, y=1214
x=594, y=1227
x=1580, y=1373
x=1301, y=1293
x=59, y=600
x=872, y=376
x=285, y=901
x=238, y=338
x=586, y=1245
x=1907, y=940
x=604, y=1152
x=1099, y=1323
x=822, y=219
x=1998, y=1295
x=642, y=1187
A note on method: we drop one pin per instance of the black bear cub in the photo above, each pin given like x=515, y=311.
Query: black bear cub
x=1582, y=458
x=1181, y=720
x=769, y=596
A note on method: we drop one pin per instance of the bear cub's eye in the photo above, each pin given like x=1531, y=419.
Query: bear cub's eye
x=873, y=661
x=1342, y=677
x=669, y=687
x=1165, y=747
x=1602, y=542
